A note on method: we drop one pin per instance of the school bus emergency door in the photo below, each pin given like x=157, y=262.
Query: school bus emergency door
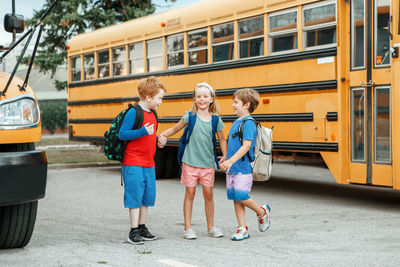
x=373, y=92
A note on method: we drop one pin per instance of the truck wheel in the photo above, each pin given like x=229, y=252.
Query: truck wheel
x=16, y=224
x=17, y=221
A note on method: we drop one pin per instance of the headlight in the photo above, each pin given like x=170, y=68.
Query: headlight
x=19, y=113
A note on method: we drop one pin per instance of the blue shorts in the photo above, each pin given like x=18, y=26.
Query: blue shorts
x=140, y=186
x=238, y=186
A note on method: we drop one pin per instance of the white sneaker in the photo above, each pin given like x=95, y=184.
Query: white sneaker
x=215, y=232
x=189, y=234
x=264, y=221
x=241, y=233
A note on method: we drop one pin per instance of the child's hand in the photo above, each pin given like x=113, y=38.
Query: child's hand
x=221, y=159
x=162, y=140
x=225, y=166
x=149, y=128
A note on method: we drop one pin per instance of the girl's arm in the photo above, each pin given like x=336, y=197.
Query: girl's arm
x=226, y=165
x=173, y=130
x=223, y=145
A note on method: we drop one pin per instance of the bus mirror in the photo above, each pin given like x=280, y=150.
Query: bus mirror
x=14, y=22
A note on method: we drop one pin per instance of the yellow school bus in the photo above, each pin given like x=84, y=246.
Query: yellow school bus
x=327, y=71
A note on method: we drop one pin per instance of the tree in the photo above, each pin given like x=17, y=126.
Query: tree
x=71, y=17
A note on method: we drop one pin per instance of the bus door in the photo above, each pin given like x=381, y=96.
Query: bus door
x=371, y=90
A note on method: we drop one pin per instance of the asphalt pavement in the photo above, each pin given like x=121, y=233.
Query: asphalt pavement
x=315, y=222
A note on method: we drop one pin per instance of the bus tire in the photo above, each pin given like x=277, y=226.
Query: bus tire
x=17, y=221
x=16, y=224
x=172, y=165
x=159, y=160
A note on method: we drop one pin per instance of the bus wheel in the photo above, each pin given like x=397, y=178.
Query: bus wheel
x=172, y=166
x=159, y=160
x=16, y=224
x=17, y=221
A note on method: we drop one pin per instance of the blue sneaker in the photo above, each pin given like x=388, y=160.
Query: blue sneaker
x=264, y=221
x=241, y=234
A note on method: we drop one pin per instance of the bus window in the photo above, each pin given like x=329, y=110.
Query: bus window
x=251, y=37
x=358, y=34
x=382, y=131
x=381, y=32
x=222, y=42
x=175, y=51
x=197, y=47
x=282, y=31
x=358, y=125
x=154, y=55
x=119, y=61
x=136, y=59
x=319, y=24
x=103, y=64
x=75, y=68
x=88, y=66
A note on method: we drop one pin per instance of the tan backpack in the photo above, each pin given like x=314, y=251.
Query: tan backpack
x=262, y=162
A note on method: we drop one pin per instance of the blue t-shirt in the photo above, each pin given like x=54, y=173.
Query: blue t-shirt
x=249, y=133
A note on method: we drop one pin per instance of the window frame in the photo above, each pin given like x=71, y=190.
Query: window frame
x=161, y=55
x=282, y=33
x=319, y=26
x=103, y=64
x=375, y=35
x=376, y=126
x=222, y=43
x=123, y=62
x=196, y=49
x=86, y=67
x=250, y=38
x=175, y=52
x=352, y=121
x=352, y=37
x=132, y=59
x=75, y=69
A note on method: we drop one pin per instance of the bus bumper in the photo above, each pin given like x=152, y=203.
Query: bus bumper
x=23, y=177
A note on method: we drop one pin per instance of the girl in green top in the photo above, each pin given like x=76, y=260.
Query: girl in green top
x=198, y=165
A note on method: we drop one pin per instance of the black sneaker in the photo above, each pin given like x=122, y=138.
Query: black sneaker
x=145, y=234
x=134, y=237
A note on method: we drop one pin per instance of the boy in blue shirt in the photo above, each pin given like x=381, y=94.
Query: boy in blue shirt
x=239, y=178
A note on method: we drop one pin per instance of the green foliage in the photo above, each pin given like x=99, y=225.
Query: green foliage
x=71, y=17
x=53, y=115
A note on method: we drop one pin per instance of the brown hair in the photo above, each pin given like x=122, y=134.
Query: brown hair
x=149, y=86
x=213, y=108
x=248, y=95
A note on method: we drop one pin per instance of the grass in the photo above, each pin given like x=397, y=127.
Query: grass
x=72, y=155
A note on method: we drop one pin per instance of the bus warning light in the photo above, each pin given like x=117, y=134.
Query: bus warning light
x=163, y=24
x=266, y=101
x=333, y=137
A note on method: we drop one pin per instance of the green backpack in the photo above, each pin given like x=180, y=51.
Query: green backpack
x=114, y=148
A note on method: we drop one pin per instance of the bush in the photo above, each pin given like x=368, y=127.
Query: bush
x=53, y=115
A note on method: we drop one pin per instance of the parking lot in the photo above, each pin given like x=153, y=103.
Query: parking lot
x=315, y=222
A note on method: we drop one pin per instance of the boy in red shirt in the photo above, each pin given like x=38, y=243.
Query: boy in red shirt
x=138, y=169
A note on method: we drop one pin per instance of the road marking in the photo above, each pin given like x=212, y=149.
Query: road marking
x=175, y=263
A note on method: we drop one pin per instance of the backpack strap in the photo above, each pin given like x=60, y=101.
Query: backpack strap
x=239, y=133
x=139, y=117
x=214, y=125
x=187, y=132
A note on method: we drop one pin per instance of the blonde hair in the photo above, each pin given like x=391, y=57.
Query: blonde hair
x=149, y=86
x=248, y=95
x=213, y=108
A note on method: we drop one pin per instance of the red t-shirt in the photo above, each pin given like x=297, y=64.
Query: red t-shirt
x=140, y=152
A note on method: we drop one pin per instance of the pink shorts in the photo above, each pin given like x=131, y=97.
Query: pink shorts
x=193, y=175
